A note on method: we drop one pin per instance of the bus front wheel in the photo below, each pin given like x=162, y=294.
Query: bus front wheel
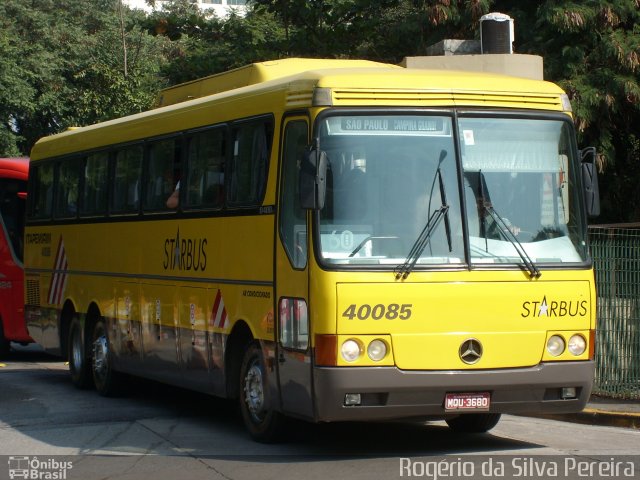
x=79, y=363
x=106, y=380
x=473, y=422
x=263, y=423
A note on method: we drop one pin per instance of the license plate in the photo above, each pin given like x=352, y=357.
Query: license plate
x=467, y=401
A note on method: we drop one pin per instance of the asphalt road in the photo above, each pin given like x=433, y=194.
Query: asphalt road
x=158, y=432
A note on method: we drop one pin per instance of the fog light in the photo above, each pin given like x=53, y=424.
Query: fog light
x=351, y=399
x=555, y=345
x=568, y=393
x=377, y=350
x=577, y=345
x=350, y=350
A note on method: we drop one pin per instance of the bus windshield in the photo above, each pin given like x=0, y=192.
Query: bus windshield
x=12, y=208
x=397, y=193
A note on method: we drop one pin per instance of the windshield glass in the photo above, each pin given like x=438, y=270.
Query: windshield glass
x=382, y=187
x=518, y=176
x=388, y=175
x=12, y=207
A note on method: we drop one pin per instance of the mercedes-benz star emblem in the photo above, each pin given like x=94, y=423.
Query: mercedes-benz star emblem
x=470, y=351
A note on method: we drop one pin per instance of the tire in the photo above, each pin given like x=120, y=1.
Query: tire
x=264, y=424
x=79, y=360
x=473, y=422
x=107, y=381
x=5, y=345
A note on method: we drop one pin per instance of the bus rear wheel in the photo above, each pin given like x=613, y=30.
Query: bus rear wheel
x=79, y=363
x=473, y=422
x=263, y=423
x=107, y=381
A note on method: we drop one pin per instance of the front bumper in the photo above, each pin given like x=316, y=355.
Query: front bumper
x=390, y=393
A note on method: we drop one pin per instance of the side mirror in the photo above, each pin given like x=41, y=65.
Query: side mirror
x=313, y=179
x=590, y=181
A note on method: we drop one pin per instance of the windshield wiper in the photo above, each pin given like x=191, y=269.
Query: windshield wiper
x=403, y=271
x=504, y=229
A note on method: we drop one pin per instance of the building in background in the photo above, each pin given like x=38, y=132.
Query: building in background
x=221, y=8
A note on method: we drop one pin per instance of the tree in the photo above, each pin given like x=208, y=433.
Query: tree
x=63, y=64
x=75, y=62
x=592, y=50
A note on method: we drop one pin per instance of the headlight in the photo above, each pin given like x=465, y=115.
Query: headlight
x=377, y=350
x=350, y=350
x=577, y=345
x=555, y=345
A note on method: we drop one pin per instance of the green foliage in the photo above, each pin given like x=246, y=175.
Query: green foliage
x=71, y=62
x=76, y=62
x=592, y=50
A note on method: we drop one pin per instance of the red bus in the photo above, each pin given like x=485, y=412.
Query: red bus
x=13, y=195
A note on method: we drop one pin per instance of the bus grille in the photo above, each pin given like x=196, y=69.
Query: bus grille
x=447, y=98
x=299, y=98
x=33, y=292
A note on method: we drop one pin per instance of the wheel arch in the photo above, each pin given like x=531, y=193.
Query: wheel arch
x=93, y=315
x=236, y=344
x=67, y=315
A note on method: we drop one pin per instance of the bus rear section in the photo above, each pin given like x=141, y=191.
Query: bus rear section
x=13, y=188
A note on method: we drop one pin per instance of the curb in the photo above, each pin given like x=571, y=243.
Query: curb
x=596, y=416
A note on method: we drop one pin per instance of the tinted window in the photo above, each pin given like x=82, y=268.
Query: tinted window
x=67, y=191
x=95, y=184
x=12, y=211
x=293, y=225
x=41, y=193
x=250, y=159
x=163, y=173
x=126, y=188
x=206, y=169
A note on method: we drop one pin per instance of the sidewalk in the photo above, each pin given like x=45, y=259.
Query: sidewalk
x=605, y=411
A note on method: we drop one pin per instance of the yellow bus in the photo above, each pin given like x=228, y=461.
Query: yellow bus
x=348, y=240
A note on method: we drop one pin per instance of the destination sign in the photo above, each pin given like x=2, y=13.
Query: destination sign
x=388, y=124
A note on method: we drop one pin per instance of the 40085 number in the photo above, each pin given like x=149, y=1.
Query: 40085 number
x=392, y=311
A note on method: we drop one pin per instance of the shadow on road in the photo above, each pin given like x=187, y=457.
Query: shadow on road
x=40, y=402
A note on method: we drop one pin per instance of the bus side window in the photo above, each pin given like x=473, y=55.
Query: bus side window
x=94, y=198
x=126, y=188
x=67, y=189
x=41, y=193
x=250, y=161
x=163, y=173
x=293, y=223
x=206, y=159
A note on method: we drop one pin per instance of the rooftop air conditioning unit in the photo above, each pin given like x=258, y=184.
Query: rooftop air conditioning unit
x=496, y=33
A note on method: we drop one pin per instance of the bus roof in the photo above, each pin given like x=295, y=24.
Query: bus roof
x=16, y=167
x=253, y=74
x=294, y=84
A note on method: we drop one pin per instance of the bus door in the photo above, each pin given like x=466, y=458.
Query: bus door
x=292, y=332
x=12, y=209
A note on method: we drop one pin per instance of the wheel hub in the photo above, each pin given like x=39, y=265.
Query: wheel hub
x=100, y=353
x=77, y=351
x=254, y=392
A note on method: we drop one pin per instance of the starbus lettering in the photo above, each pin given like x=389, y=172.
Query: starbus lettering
x=188, y=254
x=554, y=308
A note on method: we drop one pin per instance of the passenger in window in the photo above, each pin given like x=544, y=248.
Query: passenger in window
x=174, y=199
